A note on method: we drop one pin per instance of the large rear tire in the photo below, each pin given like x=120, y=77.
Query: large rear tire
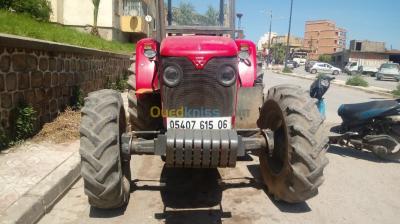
x=295, y=170
x=106, y=183
x=140, y=109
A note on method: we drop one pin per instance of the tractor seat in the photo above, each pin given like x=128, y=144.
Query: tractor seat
x=363, y=111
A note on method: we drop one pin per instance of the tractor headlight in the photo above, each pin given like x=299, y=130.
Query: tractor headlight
x=150, y=53
x=226, y=75
x=172, y=75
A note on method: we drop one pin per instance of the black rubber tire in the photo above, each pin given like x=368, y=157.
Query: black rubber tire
x=313, y=71
x=335, y=72
x=106, y=183
x=295, y=171
x=139, y=109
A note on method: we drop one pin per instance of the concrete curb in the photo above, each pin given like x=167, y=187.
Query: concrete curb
x=40, y=199
x=386, y=94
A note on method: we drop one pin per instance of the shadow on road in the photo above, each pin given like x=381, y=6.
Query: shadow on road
x=281, y=205
x=106, y=213
x=358, y=154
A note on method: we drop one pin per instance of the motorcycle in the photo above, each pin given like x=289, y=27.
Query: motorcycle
x=318, y=89
x=373, y=126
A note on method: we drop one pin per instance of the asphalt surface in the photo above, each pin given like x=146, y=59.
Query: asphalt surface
x=386, y=84
x=358, y=188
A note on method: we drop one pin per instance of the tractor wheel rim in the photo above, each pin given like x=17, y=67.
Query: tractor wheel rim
x=277, y=161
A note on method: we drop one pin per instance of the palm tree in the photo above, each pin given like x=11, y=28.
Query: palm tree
x=95, y=30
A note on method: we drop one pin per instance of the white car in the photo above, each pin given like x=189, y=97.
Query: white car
x=389, y=71
x=325, y=68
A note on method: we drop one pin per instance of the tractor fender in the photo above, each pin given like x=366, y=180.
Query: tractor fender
x=247, y=68
x=146, y=68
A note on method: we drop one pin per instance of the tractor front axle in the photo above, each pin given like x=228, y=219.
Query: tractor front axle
x=196, y=148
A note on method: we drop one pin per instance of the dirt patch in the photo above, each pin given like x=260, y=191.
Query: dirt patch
x=65, y=128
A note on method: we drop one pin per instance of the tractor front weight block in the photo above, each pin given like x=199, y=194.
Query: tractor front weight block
x=195, y=148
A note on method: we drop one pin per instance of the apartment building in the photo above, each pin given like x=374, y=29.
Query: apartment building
x=323, y=37
x=294, y=42
x=122, y=20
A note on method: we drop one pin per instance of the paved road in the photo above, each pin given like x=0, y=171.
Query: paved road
x=358, y=189
x=386, y=84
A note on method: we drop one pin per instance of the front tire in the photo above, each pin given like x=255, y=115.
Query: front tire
x=295, y=170
x=314, y=71
x=106, y=183
x=335, y=72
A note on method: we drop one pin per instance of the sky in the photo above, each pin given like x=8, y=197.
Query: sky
x=375, y=20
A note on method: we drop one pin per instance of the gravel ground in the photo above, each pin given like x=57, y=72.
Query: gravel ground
x=358, y=189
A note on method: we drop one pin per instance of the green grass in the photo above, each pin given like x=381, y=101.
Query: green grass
x=357, y=80
x=24, y=25
x=287, y=70
x=396, y=92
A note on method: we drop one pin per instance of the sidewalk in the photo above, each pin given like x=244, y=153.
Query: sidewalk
x=370, y=89
x=33, y=176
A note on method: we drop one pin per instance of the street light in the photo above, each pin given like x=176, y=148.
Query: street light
x=288, y=36
x=239, y=16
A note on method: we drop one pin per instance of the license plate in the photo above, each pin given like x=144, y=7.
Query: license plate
x=200, y=123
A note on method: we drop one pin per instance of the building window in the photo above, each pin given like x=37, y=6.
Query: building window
x=334, y=49
x=358, y=46
x=336, y=41
x=134, y=8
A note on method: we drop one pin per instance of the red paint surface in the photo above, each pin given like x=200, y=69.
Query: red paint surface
x=248, y=72
x=145, y=68
x=199, y=49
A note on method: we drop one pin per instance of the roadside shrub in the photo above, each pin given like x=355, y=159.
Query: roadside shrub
x=120, y=84
x=357, y=80
x=396, y=92
x=24, y=122
x=4, y=139
x=325, y=58
x=38, y=9
x=287, y=70
x=78, y=98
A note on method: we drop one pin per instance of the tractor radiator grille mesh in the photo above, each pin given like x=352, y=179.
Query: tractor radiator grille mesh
x=200, y=89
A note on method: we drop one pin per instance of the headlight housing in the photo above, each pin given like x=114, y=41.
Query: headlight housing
x=172, y=75
x=150, y=53
x=227, y=75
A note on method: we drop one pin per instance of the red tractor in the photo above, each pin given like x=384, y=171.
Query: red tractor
x=195, y=101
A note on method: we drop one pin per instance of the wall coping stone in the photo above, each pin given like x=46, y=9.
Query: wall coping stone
x=7, y=40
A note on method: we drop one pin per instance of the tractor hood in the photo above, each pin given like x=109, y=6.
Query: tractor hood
x=198, y=49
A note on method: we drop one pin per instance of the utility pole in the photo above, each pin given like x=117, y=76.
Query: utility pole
x=288, y=36
x=239, y=29
x=269, y=39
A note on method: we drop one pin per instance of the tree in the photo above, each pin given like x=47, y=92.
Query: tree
x=325, y=58
x=184, y=14
x=278, y=53
x=211, y=16
x=95, y=30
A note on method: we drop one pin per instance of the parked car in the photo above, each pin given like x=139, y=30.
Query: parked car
x=308, y=65
x=325, y=68
x=389, y=71
x=292, y=64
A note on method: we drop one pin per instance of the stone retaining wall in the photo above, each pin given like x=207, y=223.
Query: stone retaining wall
x=44, y=75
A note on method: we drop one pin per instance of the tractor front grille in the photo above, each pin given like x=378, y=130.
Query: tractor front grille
x=200, y=89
